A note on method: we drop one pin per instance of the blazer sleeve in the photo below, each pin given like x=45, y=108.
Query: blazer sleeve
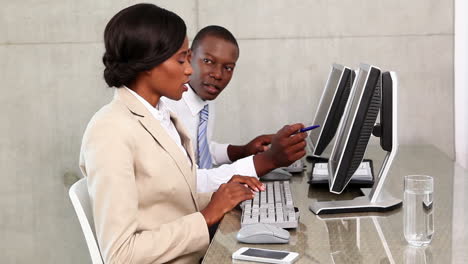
x=107, y=161
x=204, y=199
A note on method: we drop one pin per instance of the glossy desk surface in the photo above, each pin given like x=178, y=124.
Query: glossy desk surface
x=370, y=237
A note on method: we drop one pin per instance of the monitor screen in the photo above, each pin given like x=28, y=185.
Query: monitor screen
x=331, y=107
x=355, y=128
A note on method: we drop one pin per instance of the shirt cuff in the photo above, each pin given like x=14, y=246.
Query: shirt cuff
x=246, y=167
x=219, y=153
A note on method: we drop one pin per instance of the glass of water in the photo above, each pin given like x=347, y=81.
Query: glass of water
x=418, y=209
x=418, y=255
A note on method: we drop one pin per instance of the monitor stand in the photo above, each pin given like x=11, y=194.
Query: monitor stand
x=375, y=199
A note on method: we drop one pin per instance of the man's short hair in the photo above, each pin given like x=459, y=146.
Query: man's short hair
x=216, y=31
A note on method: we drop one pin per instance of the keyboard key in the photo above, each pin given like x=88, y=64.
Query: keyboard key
x=291, y=216
x=279, y=216
x=321, y=171
x=321, y=165
x=363, y=170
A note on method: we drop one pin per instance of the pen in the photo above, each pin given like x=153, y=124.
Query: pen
x=305, y=129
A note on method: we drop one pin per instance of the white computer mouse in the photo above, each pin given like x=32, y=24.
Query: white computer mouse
x=277, y=175
x=262, y=234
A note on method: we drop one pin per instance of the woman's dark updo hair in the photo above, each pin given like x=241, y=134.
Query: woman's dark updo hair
x=139, y=38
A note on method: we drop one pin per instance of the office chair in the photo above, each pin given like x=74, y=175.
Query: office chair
x=80, y=199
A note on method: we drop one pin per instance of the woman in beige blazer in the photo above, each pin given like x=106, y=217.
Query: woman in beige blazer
x=137, y=157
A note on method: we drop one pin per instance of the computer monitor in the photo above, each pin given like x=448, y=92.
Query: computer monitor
x=365, y=101
x=356, y=128
x=330, y=108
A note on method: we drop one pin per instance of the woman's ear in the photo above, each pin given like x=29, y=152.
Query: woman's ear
x=189, y=56
x=148, y=72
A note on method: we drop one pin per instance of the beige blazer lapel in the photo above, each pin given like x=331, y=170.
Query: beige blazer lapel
x=186, y=141
x=159, y=134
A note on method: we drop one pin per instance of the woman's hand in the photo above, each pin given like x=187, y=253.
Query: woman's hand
x=251, y=182
x=224, y=199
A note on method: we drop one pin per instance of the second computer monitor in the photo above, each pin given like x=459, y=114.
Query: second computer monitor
x=356, y=127
x=331, y=107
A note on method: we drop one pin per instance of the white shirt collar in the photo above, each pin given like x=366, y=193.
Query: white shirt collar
x=160, y=112
x=193, y=101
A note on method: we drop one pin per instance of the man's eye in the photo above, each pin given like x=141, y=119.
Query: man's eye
x=230, y=69
x=181, y=61
x=207, y=61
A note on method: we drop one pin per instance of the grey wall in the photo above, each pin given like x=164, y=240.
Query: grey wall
x=50, y=65
x=286, y=52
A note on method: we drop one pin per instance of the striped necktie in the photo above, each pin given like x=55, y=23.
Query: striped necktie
x=204, y=155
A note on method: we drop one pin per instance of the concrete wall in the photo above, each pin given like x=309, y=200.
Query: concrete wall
x=50, y=65
x=286, y=52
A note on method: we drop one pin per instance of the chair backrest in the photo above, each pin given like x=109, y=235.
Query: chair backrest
x=79, y=197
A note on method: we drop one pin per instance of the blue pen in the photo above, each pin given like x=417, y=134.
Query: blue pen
x=305, y=129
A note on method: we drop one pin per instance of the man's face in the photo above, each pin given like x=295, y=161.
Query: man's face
x=213, y=63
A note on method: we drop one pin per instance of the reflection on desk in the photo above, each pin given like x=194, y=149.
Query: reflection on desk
x=344, y=230
x=347, y=241
x=366, y=237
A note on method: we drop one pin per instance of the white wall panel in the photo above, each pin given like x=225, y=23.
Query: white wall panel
x=461, y=82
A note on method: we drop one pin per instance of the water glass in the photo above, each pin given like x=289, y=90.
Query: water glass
x=418, y=255
x=418, y=209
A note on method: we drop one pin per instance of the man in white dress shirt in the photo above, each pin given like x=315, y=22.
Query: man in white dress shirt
x=214, y=55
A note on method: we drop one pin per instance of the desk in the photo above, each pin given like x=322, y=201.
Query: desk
x=370, y=237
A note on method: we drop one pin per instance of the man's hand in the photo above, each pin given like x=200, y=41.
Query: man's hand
x=258, y=144
x=287, y=146
x=252, y=182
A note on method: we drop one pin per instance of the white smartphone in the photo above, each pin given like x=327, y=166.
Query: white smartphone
x=265, y=255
